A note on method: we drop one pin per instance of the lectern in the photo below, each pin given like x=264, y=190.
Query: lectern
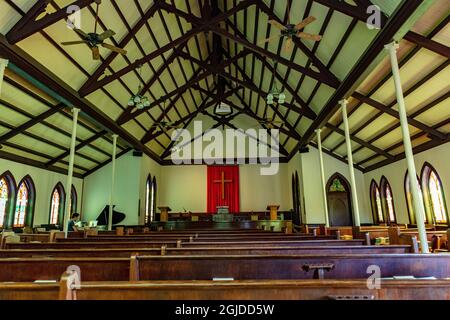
x=273, y=211
x=164, y=216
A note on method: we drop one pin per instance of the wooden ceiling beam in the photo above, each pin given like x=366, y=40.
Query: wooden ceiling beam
x=29, y=24
x=33, y=68
x=413, y=122
x=84, y=143
x=315, y=60
x=395, y=22
x=92, y=84
x=429, y=44
x=184, y=38
x=34, y=163
x=30, y=123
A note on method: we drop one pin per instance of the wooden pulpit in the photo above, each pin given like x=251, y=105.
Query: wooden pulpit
x=164, y=215
x=273, y=211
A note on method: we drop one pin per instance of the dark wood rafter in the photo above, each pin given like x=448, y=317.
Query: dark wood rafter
x=77, y=147
x=395, y=22
x=336, y=156
x=315, y=60
x=25, y=62
x=34, y=163
x=11, y=134
x=388, y=76
x=28, y=25
x=305, y=109
x=184, y=38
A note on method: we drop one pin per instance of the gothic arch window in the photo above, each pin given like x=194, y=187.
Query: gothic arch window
x=409, y=199
x=57, y=200
x=73, y=200
x=377, y=207
x=24, y=209
x=387, y=200
x=153, y=200
x=297, y=219
x=7, y=197
x=148, y=201
x=434, y=195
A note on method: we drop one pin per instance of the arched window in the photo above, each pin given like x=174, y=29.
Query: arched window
x=24, y=211
x=434, y=195
x=7, y=196
x=148, y=200
x=375, y=199
x=57, y=204
x=153, y=200
x=73, y=200
x=409, y=200
x=387, y=200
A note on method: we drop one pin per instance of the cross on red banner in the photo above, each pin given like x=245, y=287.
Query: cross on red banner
x=223, y=188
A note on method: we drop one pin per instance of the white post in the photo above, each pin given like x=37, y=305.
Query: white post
x=113, y=177
x=348, y=142
x=322, y=175
x=70, y=172
x=419, y=208
x=3, y=65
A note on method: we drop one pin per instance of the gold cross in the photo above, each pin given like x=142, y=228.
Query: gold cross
x=223, y=181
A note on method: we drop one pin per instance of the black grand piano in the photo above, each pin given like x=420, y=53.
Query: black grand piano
x=102, y=219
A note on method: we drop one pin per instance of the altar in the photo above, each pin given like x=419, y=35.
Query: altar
x=222, y=215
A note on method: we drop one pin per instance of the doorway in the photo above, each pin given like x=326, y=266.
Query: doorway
x=339, y=201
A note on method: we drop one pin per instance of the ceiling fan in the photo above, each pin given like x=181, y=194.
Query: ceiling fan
x=165, y=125
x=93, y=39
x=291, y=31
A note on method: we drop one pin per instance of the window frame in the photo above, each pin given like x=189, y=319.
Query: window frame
x=62, y=202
x=10, y=203
x=31, y=201
x=384, y=184
x=425, y=174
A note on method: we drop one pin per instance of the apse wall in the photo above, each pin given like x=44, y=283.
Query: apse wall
x=438, y=157
x=44, y=181
x=184, y=187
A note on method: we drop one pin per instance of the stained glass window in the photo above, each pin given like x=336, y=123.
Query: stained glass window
x=153, y=200
x=390, y=203
x=21, y=205
x=377, y=207
x=4, y=194
x=434, y=195
x=409, y=199
x=148, y=187
x=337, y=186
x=55, y=206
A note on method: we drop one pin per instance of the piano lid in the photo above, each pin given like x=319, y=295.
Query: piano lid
x=102, y=219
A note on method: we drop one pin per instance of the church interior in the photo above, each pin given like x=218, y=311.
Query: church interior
x=224, y=149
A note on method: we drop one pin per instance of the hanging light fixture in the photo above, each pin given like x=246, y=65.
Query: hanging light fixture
x=275, y=93
x=138, y=100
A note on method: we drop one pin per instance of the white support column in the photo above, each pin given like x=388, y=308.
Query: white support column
x=419, y=208
x=3, y=65
x=70, y=172
x=348, y=142
x=113, y=178
x=322, y=176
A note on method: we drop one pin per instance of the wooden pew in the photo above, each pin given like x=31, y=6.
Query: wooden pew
x=265, y=267
x=437, y=239
x=174, y=244
x=239, y=267
x=213, y=250
x=232, y=290
x=92, y=269
x=193, y=238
